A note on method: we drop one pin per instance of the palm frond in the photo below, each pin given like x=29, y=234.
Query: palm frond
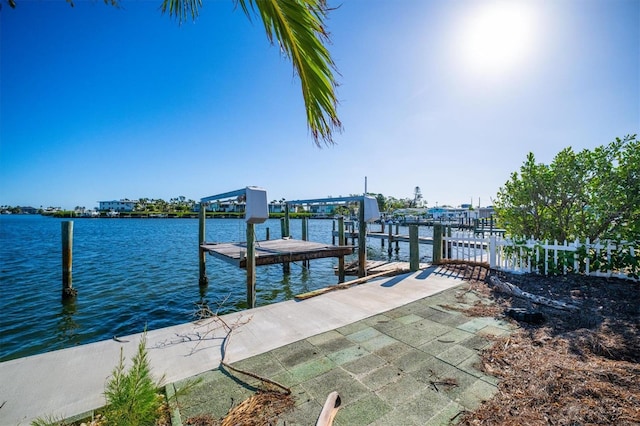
x=181, y=9
x=298, y=27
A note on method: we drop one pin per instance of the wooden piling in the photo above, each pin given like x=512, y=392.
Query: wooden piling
x=414, y=249
x=397, y=233
x=287, y=229
x=268, y=236
x=390, y=238
x=305, y=237
x=340, y=242
x=362, y=242
x=286, y=267
x=304, y=229
x=437, y=243
x=202, y=254
x=251, y=266
x=68, y=292
x=333, y=233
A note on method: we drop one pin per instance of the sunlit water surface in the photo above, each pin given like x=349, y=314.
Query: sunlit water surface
x=137, y=273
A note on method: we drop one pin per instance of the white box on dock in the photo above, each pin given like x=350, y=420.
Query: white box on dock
x=257, y=208
x=371, y=210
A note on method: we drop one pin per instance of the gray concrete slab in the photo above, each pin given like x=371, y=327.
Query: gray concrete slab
x=68, y=382
x=427, y=376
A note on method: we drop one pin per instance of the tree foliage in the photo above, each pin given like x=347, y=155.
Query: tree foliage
x=299, y=30
x=589, y=194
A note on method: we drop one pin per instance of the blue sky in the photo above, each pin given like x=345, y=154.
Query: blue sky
x=99, y=103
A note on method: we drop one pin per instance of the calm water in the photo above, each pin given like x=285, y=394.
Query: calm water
x=135, y=272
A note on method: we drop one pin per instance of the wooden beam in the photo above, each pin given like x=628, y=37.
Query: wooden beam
x=344, y=285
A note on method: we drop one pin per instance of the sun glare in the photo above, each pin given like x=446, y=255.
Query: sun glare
x=496, y=38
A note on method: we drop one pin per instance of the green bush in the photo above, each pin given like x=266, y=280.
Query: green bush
x=132, y=396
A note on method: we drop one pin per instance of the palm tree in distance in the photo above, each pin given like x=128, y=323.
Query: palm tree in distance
x=298, y=27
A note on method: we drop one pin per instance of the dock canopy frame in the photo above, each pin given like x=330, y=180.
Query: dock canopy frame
x=256, y=211
x=368, y=211
x=250, y=254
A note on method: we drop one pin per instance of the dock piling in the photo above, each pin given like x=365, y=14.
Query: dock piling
x=414, y=249
x=202, y=254
x=305, y=237
x=68, y=292
x=362, y=242
x=341, y=242
x=251, y=266
x=437, y=243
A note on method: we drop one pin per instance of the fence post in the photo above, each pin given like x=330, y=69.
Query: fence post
x=68, y=292
x=340, y=242
x=492, y=251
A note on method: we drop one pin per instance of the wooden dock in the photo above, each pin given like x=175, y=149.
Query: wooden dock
x=270, y=252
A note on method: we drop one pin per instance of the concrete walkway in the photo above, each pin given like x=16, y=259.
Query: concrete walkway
x=69, y=382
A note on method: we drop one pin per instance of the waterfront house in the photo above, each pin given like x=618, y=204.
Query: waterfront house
x=117, y=206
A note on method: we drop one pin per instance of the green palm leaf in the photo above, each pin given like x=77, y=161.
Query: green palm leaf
x=298, y=27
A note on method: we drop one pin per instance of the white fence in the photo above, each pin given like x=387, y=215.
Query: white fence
x=605, y=259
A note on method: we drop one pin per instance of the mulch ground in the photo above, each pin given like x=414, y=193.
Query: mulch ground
x=576, y=368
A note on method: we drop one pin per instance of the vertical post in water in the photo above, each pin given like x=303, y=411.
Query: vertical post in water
x=251, y=266
x=305, y=237
x=286, y=266
x=362, y=242
x=390, y=238
x=283, y=228
x=202, y=254
x=68, y=292
x=286, y=220
x=304, y=229
x=414, y=249
x=437, y=243
x=340, y=242
x=268, y=237
x=333, y=233
x=397, y=233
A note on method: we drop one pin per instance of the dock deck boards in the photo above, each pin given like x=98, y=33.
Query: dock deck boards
x=270, y=252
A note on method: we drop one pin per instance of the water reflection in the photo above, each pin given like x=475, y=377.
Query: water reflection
x=67, y=329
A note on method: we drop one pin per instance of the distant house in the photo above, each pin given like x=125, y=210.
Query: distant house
x=276, y=207
x=322, y=209
x=28, y=210
x=117, y=206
